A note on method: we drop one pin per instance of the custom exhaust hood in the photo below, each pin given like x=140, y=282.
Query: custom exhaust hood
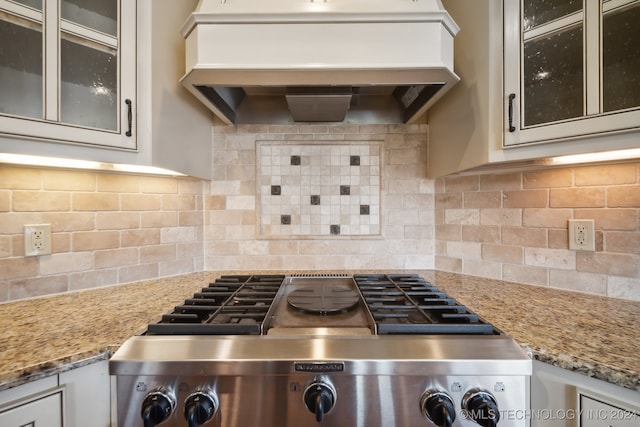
x=351, y=61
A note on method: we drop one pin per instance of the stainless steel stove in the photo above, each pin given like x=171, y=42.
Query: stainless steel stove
x=334, y=350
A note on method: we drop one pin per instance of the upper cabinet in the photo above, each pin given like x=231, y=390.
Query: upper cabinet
x=571, y=68
x=538, y=79
x=68, y=71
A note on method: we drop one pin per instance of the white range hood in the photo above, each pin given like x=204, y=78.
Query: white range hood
x=353, y=61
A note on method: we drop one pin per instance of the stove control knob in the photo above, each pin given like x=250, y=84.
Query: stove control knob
x=157, y=407
x=200, y=407
x=319, y=398
x=438, y=407
x=481, y=407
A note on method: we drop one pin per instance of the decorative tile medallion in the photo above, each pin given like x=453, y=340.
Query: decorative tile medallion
x=318, y=190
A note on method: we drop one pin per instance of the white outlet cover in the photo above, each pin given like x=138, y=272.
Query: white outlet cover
x=37, y=239
x=582, y=236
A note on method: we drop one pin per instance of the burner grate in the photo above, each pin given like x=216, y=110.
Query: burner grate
x=408, y=304
x=232, y=305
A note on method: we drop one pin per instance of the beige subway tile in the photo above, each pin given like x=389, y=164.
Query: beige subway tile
x=67, y=262
x=186, y=218
x=525, y=274
x=95, y=201
x=13, y=268
x=558, y=239
x=92, y=240
x=448, y=232
x=403, y=157
x=157, y=253
x=60, y=242
x=448, y=201
x=4, y=291
x=546, y=218
x=550, y=178
x=141, y=202
x=158, y=219
x=417, y=232
x=526, y=199
x=20, y=178
x=110, y=258
x=68, y=180
x=13, y=223
x=438, y=186
x=445, y=263
x=615, y=264
x=624, y=287
x=144, y=237
x=483, y=233
x=178, y=202
x=5, y=201
x=287, y=129
x=161, y=185
x=462, y=216
x=490, y=270
x=92, y=279
x=506, y=217
x=550, y=258
x=40, y=201
x=606, y=174
x=135, y=273
x=70, y=221
x=193, y=185
x=178, y=234
x=609, y=219
x=5, y=246
x=222, y=248
x=623, y=196
x=577, y=197
x=253, y=128
x=175, y=267
x=37, y=286
x=118, y=183
x=577, y=281
x=423, y=202
x=190, y=250
x=622, y=241
x=465, y=250
x=502, y=253
x=458, y=184
x=483, y=199
x=508, y=181
x=117, y=220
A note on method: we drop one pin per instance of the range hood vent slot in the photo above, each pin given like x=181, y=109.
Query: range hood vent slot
x=318, y=104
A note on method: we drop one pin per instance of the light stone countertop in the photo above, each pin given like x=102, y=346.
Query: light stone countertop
x=596, y=336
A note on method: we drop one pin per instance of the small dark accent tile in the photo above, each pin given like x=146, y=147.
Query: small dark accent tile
x=315, y=200
x=295, y=160
x=276, y=190
x=285, y=219
x=335, y=229
x=364, y=209
x=354, y=161
x=345, y=190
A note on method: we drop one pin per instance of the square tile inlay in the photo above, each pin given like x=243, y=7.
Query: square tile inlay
x=318, y=189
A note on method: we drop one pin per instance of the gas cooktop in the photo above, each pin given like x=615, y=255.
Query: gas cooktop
x=360, y=304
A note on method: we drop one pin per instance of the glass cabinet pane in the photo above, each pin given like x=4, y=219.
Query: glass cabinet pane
x=100, y=15
x=36, y=4
x=538, y=12
x=21, y=82
x=553, y=77
x=621, y=58
x=89, y=89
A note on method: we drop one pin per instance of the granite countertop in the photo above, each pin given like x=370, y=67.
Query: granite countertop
x=593, y=335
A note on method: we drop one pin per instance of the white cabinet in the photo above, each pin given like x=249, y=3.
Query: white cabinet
x=170, y=128
x=561, y=398
x=36, y=404
x=68, y=71
x=571, y=69
x=469, y=127
x=77, y=398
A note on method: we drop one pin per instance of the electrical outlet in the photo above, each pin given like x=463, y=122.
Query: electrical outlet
x=582, y=236
x=37, y=239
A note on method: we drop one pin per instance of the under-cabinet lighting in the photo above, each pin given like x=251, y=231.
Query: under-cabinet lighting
x=604, y=156
x=57, y=162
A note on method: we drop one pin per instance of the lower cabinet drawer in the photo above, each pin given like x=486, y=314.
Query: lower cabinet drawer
x=595, y=413
x=43, y=411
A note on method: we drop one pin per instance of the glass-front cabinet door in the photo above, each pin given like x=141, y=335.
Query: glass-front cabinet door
x=572, y=69
x=67, y=71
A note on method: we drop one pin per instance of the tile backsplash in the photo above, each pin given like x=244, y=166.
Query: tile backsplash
x=116, y=228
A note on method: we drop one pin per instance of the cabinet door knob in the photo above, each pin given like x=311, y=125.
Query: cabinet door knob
x=512, y=128
x=129, y=117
